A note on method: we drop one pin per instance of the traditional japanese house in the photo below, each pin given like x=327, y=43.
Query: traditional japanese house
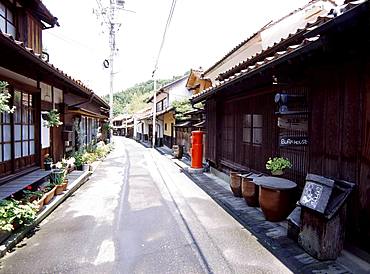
x=174, y=91
x=35, y=87
x=306, y=98
x=123, y=125
x=194, y=119
x=141, y=124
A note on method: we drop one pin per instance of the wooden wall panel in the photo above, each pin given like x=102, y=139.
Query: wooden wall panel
x=210, y=108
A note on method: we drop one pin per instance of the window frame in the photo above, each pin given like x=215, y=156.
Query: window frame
x=5, y=17
x=252, y=127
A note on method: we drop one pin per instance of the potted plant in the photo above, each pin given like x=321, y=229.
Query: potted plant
x=277, y=165
x=48, y=162
x=4, y=99
x=13, y=214
x=78, y=160
x=52, y=119
x=49, y=192
x=30, y=196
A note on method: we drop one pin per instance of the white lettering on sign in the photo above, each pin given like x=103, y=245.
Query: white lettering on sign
x=294, y=141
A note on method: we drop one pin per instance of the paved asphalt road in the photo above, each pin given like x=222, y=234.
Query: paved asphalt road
x=139, y=214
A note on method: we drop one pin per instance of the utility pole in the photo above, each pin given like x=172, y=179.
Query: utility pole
x=112, y=45
x=154, y=107
x=108, y=16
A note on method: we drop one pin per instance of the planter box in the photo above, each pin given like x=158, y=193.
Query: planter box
x=49, y=196
x=4, y=235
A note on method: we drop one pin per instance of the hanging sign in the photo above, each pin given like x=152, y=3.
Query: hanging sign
x=293, y=141
x=300, y=124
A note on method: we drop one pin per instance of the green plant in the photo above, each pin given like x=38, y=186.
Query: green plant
x=278, y=163
x=13, y=212
x=57, y=176
x=46, y=188
x=78, y=155
x=4, y=99
x=29, y=195
x=52, y=119
x=89, y=158
x=48, y=158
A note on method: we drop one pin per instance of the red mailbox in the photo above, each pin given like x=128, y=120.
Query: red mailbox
x=196, y=149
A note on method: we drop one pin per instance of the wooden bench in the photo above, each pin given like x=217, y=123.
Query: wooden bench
x=8, y=189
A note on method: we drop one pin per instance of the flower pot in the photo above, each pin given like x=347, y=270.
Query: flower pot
x=59, y=189
x=65, y=184
x=4, y=235
x=40, y=203
x=235, y=184
x=56, y=175
x=277, y=172
x=85, y=167
x=250, y=192
x=49, y=196
x=47, y=165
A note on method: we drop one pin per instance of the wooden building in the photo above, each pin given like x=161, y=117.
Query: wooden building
x=36, y=86
x=165, y=122
x=306, y=98
x=123, y=125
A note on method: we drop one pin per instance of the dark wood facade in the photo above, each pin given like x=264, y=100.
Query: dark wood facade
x=334, y=81
x=35, y=87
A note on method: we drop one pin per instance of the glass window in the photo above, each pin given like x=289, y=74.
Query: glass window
x=2, y=24
x=46, y=93
x=24, y=128
x=2, y=10
x=7, y=20
x=252, y=128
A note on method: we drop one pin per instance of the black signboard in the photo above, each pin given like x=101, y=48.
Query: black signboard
x=293, y=141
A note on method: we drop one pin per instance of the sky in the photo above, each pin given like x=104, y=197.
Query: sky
x=201, y=33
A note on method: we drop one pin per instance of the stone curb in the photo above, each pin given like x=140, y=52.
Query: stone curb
x=18, y=236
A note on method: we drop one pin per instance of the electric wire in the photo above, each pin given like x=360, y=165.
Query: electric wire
x=169, y=19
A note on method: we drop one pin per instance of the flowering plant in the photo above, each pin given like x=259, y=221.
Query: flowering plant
x=52, y=119
x=13, y=212
x=278, y=164
x=4, y=99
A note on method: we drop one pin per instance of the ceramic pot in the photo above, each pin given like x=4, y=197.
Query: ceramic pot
x=4, y=235
x=59, y=189
x=65, y=184
x=56, y=175
x=275, y=203
x=235, y=184
x=49, y=196
x=85, y=167
x=250, y=192
x=40, y=203
x=47, y=165
x=277, y=172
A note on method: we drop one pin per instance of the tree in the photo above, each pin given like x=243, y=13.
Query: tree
x=134, y=98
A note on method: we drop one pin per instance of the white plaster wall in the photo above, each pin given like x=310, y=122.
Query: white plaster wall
x=270, y=36
x=178, y=91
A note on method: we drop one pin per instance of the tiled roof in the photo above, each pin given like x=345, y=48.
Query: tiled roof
x=46, y=15
x=263, y=53
x=268, y=25
x=36, y=56
x=261, y=60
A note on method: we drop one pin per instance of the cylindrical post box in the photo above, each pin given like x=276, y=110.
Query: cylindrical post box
x=197, y=149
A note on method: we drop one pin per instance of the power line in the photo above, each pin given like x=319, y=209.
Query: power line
x=169, y=19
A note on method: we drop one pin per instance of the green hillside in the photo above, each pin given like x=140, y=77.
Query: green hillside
x=133, y=98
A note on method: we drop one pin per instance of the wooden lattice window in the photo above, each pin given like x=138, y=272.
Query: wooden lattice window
x=24, y=125
x=252, y=129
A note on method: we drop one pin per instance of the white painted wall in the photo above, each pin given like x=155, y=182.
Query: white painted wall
x=178, y=91
x=271, y=35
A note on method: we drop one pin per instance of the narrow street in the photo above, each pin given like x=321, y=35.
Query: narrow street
x=139, y=214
